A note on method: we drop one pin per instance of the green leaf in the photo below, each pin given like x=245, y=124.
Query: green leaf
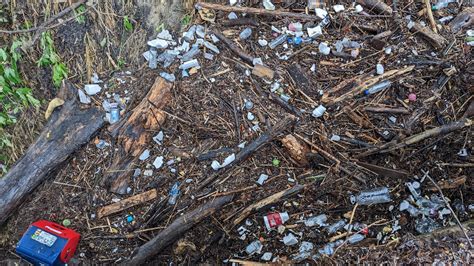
x=11, y=76
x=59, y=73
x=80, y=19
x=127, y=24
x=14, y=51
x=186, y=20
x=3, y=55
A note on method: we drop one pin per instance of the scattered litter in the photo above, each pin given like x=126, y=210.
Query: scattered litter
x=338, y=8
x=319, y=111
x=333, y=228
x=378, y=87
x=158, y=162
x=268, y=5
x=379, y=69
x=216, y=165
x=273, y=220
x=101, y=144
x=267, y=256
x=324, y=48
x=168, y=77
x=92, y=89
x=159, y=138
x=319, y=220
x=145, y=155
x=261, y=179
x=290, y=240
x=373, y=196
x=174, y=193
x=83, y=98
x=254, y=247
x=245, y=34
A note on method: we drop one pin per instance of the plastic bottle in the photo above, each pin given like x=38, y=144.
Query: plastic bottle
x=374, y=196
x=245, y=34
x=174, y=193
x=442, y=4
x=355, y=238
x=378, y=87
x=189, y=64
x=333, y=228
x=277, y=41
x=114, y=113
x=319, y=220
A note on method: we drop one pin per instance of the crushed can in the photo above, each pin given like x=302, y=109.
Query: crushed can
x=48, y=243
x=273, y=220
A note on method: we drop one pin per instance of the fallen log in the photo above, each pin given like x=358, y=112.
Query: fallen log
x=70, y=126
x=133, y=134
x=436, y=40
x=377, y=6
x=263, y=139
x=175, y=230
x=257, y=11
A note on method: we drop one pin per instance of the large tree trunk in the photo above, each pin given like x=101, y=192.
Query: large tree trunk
x=68, y=129
x=134, y=134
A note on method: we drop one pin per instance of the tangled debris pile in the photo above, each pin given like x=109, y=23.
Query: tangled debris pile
x=317, y=123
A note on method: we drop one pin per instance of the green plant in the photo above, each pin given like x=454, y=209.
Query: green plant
x=14, y=94
x=3, y=15
x=127, y=25
x=186, y=20
x=80, y=19
x=51, y=58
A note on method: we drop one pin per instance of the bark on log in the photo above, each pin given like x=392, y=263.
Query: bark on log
x=175, y=230
x=377, y=6
x=68, y=129
x=433, y=38
x=135, y=132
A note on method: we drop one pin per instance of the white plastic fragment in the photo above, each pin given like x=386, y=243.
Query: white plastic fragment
x=261, y=179
x=268, y=5
x=158, y=162
x=262, y=42
x=306, y=246
x=379, y=68
x=313, y=68
x=232, y=15
x=290, y=240
x=250, y=116
x=319, y=220
x=315, y=31
x=267, y=256
x=211, y=47
x=216, y=165
x=169, y=77
x=338, y=8
x=209, y=56
x=190, y=64
x=358, y=8
x=324, y=48
x=319, y=111
x=95, y=78
x=145, y=155
x=165, y=35
x=83, y=98
x=148, y=172
x=159, y=138
x=254, y=247
x=321, y=13
x=92, y=89
x=158, y=43
x=257, y=61
x=233, y=2
x=335, y=138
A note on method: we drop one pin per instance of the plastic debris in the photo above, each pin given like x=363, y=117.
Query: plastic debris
x=92, y=89
x=209, y=56
x=245, y=34
x=321, y=13
x=319, y=220
x=250, y=116
x=333, y=228
x=189, y=64
x=211, y=47
x=442, y=4
x=378, y=87
x=268, y=5
x=158, y=162
x=328, y=249
x=130, y=218
x=273, y=220
x=232, y=15
x=335, y=138
x=355, y=238
x=379, y=69
x=314, y=32
x=66, y=222
x=276, y=162
x=216, y=165
x=262, y=42
x=426, y=225
x=338, y=8
x=277, y=41
x=158, y=43
x=114, y=113
x=145, y=155
x=358, y=8
x=463, y=152
x=324, y=48
x=261, y=179
x=373, y=196
x=248, y=104
x=101, y=144
x=267, y=256
x=173, y=194
x=83, y=98
x=319, y=111
x=412, y=97
x=168, y=77
x=254, y=247
x=159, y=138
x=148, y=172
x=290, y=240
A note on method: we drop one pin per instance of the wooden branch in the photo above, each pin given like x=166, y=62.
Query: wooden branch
x=433, y=38
x=127, y=203
x=267, y=201
x=368, y=83
x=69, y=127
x=257, y=11
x=383, y=171
x=263, y=139
x=234, y=48
x=239, y=22
x=134, y=132
x=390, y=110
x=296, y=149
x=175, y=230
x=429, y=13
x=463, y=20
x=377, y=6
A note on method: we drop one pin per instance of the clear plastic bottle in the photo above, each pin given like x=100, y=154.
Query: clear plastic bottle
x=355, y=238
x=378, y=87
x=333, y=228
x=442, y=4
x=174, y=193
x=277, y=41
x=245, y=34
x=319, y=220
x=373, y=196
